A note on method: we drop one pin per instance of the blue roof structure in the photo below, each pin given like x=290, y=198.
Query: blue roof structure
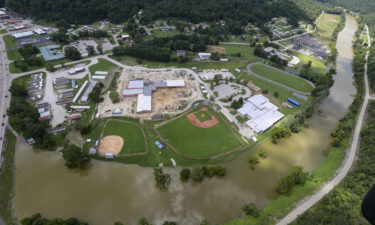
x=294, y=102
x=159, y=145
x=73, y=84
x=49, y=53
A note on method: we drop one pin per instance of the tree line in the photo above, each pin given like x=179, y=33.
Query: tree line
x=117, y=11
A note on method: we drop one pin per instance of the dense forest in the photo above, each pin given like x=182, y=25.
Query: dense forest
x=89, y=11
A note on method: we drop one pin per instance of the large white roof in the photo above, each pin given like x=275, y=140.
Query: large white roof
x=128, y=92
x=144, y=103
x=261, y=112
x=175, y=83
x=136, y=84
x=23, y=34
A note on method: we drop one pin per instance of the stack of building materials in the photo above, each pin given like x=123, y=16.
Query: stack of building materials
x=100, y=75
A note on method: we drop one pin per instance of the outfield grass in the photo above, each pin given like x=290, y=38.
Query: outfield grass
x=326, y=26
x=134, y=140
x=195, y=142
x=316, y=64
x=9, y=41
x=102, y=65
x=282, y=78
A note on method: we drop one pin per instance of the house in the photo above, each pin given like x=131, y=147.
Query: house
x=294, y=62
x=204, y=56
x=125, y=37
x=261, y=112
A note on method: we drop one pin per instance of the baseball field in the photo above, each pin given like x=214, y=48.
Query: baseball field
x=132, y=135
x=202, y=133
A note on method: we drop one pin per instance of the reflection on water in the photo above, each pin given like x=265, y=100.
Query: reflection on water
x=110, y=192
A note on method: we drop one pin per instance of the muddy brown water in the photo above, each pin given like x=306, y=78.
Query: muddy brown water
x=110, y=192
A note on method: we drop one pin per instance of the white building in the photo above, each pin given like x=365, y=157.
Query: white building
x=23, y=34
x=294, y=62
x=261, y=112
x=144, y=103
x=204, y=56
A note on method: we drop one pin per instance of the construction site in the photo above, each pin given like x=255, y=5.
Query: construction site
x=146, y=93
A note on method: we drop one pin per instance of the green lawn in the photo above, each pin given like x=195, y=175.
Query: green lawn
x=247, y=52
x=203, y=116
x=14, y=69
x=102, y=65
x=197, y=142
x=2, y=31
x=326, y=26
x=282, y=78
x=316, y=64
x=9, y=41
x=14, y=55
x=134, y=140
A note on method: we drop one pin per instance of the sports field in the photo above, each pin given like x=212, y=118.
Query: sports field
x=199, y=143
x=281, y=77
x=326, y=25
x=134, y=140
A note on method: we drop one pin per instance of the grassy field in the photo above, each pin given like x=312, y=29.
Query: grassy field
x=245, y=50
x=2, y=31
x=14, y=55
x=6, y=179
x=282, y=78
x=271, y=89
x=14, y=69
x=134, y=140
x=326, y=26
x=9, y=41
x=316, y=64
x=102, y=65
x=197, y=142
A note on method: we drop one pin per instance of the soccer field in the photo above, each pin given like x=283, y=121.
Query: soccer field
x=200, y=143
x=134, y=139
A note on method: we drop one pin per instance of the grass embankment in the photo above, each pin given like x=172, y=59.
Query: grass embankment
x=6, y=178
x=102, y=65
x=316, y=64
x=326, y=26
x=134, y=140
x=282, y=78
x=10, y=42
x=196, y=142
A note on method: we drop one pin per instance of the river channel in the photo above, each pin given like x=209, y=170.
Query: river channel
x=110, y=192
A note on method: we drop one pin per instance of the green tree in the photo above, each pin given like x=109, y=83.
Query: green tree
x=91, y=50
x=74, y=157
x=185, y=174
x=144, y=221
x=250, y=209
x=72, y=53
x=162, y=179
x=197, y=174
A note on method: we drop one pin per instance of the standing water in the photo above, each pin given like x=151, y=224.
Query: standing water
x=110, y=192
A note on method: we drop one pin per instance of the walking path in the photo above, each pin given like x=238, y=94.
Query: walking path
x=274, y=82
x=343, y=171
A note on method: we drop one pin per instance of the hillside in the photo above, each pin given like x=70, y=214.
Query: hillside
x=88, y=11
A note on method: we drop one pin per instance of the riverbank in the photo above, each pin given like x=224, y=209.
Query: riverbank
x=7, y=178
x=279, y=207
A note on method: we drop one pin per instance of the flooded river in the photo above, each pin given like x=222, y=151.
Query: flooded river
x=110, y=192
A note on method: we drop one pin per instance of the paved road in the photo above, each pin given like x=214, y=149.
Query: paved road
x=343, y=171
x=274, y=82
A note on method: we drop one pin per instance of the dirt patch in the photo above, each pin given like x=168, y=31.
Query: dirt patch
x=217, y=49
x=206, y=124
x=111, y=144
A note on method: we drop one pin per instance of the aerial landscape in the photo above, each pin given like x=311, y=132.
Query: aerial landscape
x=176, y=112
